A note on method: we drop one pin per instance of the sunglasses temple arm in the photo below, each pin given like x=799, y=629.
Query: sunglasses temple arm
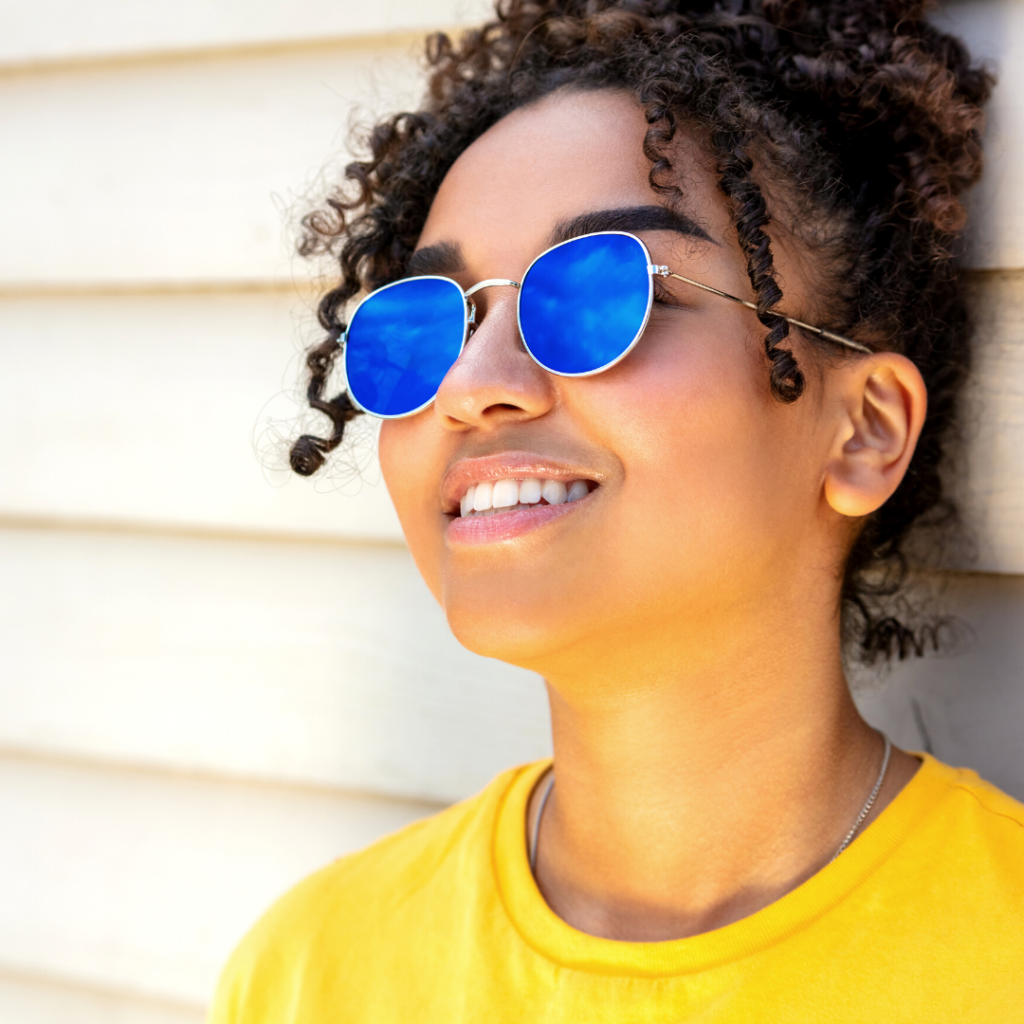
x=839, y=339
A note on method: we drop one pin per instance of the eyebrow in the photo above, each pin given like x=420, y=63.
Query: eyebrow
x=443, y=259
x=629, y=218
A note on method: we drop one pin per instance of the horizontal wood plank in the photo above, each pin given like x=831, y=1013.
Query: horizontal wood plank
x=151, y=404
x=147, y=409
x=40, y=1000
x=193, y=170
x=119, y=28
x=329, y=665
x=180, y=171
x=139, y=884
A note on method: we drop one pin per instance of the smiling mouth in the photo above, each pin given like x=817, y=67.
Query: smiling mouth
x=488, y=498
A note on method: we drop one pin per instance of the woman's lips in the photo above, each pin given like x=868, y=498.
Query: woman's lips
x=507, y=525
x=508, y=466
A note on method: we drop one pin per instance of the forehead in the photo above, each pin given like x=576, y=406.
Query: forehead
x=541, y=165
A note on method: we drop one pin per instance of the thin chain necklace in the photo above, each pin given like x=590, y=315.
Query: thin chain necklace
x=864, y=811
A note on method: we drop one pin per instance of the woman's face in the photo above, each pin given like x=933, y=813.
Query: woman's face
x=705, y=494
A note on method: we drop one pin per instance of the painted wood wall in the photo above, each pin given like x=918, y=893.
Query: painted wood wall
x=215, y=678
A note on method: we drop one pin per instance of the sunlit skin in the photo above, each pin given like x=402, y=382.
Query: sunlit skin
x=708, y=756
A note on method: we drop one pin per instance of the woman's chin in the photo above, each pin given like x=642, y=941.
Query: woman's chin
x=526, y=634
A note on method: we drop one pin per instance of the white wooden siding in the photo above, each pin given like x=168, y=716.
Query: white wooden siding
x=215, y=677
x=47, y=1000
x=73, y=31
x=314, y=663
x=140, y=882
x=144, y=409
x=191, y=170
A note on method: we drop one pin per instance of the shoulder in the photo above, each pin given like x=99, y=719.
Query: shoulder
x=360, y=908
x=973, y=796
x=977, y=829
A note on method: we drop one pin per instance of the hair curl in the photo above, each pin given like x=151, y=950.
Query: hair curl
x=859, y=111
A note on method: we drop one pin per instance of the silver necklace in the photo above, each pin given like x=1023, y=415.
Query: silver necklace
x=864, y=811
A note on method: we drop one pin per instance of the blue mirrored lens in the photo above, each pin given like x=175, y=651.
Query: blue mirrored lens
x=583, y=304
x=401, y=342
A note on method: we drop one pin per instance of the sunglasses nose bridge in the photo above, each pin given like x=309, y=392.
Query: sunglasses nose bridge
x=491, y=282
x=494, y=282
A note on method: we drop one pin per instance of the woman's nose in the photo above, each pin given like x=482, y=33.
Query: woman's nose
x=494, y=382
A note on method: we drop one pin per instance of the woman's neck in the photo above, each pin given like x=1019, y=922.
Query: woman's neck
x=687, y=798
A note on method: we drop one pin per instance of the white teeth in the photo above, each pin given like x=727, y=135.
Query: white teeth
x=553, y=492
x=506, y=494
x=579, y=489
x=529, y=492
x=487, y=498
x=482, y=498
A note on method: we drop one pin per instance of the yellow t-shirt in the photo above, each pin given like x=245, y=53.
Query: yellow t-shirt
x=921, y=920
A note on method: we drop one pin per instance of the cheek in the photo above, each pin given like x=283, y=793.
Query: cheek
x=410, y=463
x=707, y=453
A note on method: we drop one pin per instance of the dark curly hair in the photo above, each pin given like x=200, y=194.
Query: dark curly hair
x=858, y=114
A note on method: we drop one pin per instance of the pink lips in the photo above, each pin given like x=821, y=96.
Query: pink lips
x=509, y=465
x=505, y=525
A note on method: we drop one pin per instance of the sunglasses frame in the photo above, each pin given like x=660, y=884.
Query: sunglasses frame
x=653, y=270
x=469, y=321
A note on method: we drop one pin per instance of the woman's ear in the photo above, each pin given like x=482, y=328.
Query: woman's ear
x=884, y=401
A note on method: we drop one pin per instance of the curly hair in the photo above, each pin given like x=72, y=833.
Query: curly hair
x=859, y=111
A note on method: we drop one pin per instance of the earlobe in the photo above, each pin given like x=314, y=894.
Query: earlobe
x=884, y=402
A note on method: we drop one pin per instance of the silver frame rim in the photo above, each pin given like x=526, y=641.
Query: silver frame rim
x=637, y=336
x=351, y=321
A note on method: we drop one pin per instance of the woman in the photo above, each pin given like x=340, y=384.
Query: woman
x=663, y=441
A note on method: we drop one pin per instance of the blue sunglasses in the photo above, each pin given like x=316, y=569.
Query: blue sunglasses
x=583, y=305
